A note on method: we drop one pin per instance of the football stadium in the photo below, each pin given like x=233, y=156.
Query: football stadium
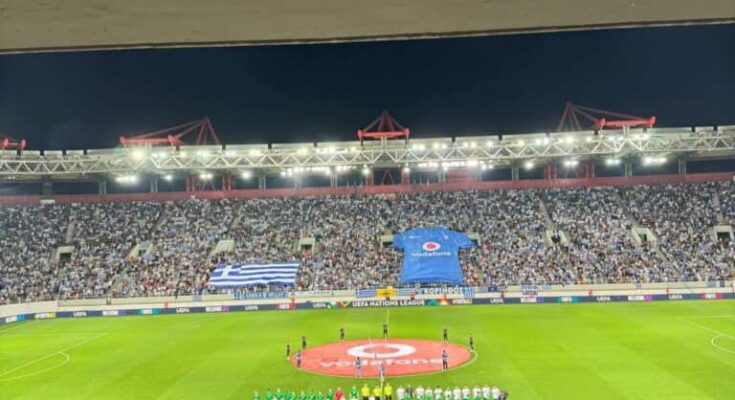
x=460, y=258
x=404, y=273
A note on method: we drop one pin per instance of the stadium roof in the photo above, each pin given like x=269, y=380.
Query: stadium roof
x=641, y=144
x=34, y=25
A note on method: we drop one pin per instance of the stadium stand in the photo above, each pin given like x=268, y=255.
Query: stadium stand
x=534, y=236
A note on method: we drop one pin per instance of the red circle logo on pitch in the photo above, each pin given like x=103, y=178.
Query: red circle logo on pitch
x=399, y=357
x=431, y=246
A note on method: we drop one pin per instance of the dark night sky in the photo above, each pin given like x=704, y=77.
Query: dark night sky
x=507, y=84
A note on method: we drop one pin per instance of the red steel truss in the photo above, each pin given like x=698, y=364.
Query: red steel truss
x=8, y=143
x=599, y=118
x=385, y=126
x=173, y=136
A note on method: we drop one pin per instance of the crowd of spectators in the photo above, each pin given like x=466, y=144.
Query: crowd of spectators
x=602, y=249
x=177, y=257
x=29, y=237
x=561, y=236
x=682, y=217
x=103, y=236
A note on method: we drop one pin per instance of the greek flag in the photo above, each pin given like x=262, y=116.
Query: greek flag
x=407, y=291
x=468, y=292
x=528, y=290
x=364, y=293
x=236, y=275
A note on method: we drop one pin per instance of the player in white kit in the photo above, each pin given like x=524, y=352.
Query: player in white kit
x=419, y=392
x=486, y=392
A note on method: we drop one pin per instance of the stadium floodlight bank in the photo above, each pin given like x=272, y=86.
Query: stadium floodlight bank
x=645, y=145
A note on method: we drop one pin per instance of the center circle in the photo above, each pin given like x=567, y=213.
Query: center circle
x=398, y=357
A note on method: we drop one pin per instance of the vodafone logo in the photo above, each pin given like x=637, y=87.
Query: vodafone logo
x=396, y=356
x=399, y=350
x=431, y=246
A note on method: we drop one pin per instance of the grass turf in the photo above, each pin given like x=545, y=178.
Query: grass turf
x=555, y=351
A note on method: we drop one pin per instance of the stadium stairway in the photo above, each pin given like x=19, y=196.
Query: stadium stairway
x=70, y=231
x=549, y=233
x=134, y=252
x=718, y=206
x=145, y=248
x=545, y=212
x=641, y=234
x=235, y=222
x=551, y=227
x=722, y=229
x=223, y=246
x=61, y=251
x=162, y=218
x=118, y=281
x=637, y=230
x=305, y=243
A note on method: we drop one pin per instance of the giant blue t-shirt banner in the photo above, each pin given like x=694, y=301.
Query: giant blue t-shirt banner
x=431, y=255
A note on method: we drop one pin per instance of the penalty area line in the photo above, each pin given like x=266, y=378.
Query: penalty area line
x=67, y=358
x=37, y=360
x=708, y=316
x=713, y=339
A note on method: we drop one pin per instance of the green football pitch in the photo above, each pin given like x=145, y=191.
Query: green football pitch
x=666, y=350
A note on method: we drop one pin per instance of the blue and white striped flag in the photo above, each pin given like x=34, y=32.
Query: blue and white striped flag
x=407, y=291
x=363, y=293
x=468, y=292
x=236, y=275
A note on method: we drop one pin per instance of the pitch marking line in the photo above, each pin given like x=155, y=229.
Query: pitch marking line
x=66, y=360
x=61, y=352
x=713, y=340
x=52, y=334
x=17, y=327
x=474, y=358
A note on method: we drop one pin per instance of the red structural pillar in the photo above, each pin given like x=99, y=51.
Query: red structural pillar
x=589, y=169
x=405, y=176
x=227, y=182
x=550, y=171
x=194, y=184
